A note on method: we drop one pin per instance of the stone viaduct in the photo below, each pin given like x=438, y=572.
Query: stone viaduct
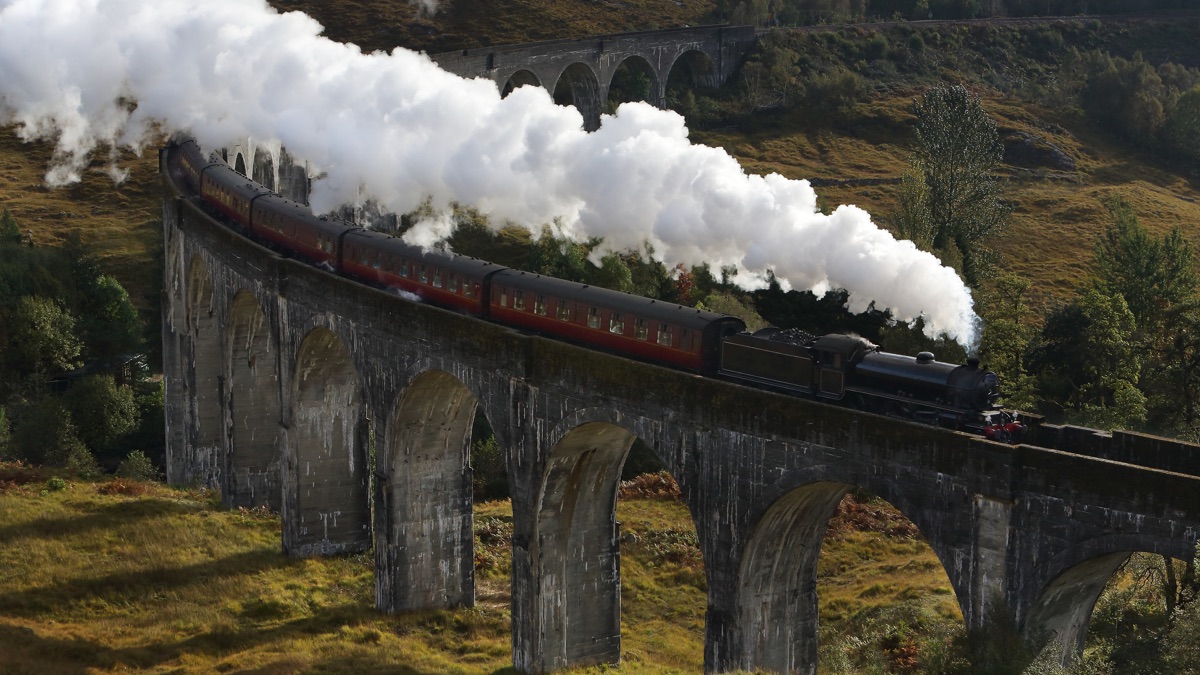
x=350, y=411
x=581, y=72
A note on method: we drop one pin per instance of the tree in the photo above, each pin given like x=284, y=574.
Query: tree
x=101, y=410
x=1006, y=337
x=110, y=324
x=1183, y=126
x=1183, y=638
x=1152, y=275
x=41, y=339
x=46, y=435
x=1125, y=96
x=913, y=220
x=958, y=148
x=727, y=303
x=1088, y=362
x=1157, y=279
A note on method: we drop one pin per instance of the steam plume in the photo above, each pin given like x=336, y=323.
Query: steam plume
x=404, y=130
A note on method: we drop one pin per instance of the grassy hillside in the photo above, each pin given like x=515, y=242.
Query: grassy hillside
x=121, y=221
x=117, y=576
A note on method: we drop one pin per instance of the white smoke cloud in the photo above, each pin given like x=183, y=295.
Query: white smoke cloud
x=404, y=131
x=426, y=7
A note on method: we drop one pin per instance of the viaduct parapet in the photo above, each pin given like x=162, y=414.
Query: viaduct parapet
x=581, y=71
x=350, y=411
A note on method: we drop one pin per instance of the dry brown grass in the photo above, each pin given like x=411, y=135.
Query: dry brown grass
x=121, y=223
x=98, y=578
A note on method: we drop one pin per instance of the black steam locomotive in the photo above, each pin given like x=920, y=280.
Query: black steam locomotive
x=836, y=368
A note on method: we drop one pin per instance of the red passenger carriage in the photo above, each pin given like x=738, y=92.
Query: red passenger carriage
x=443, y=278
x=657, y=331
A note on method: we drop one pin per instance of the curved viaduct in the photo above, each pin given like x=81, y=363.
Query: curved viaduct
x=350, y=410
x=581, y=71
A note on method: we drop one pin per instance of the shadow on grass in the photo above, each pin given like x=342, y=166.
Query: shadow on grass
x=26, y=651
x=135, y=586
x=102, y=517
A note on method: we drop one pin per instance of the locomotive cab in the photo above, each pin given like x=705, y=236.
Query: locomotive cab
x=837, y=355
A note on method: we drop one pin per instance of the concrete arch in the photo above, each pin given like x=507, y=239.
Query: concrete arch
x=634, y=79
x=576, y=550
x=239, y=164
x=777, y=582
x=254, y=475
x=1063, y=591
x=204, y=377
x=578, y=85
x=264, y=169
x=693, y=68
x=424, y=523
x=327, y=443
x=520, y=78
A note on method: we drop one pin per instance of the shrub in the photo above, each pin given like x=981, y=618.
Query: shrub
x=122, y=486
x=102, y=410
x=46, y=435
x=137, y=466
x=56, y=484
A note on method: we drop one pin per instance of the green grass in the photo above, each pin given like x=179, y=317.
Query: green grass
x=116, y=576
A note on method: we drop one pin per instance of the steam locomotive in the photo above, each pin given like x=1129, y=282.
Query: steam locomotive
x=835, y=368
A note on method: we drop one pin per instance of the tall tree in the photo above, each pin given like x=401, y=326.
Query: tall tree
x=1087, y=362
x=1153, y=275
x=41, y=339
x=958, y=149
x=1006, y=337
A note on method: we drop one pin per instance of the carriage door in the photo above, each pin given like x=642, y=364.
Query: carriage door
x=831, y=375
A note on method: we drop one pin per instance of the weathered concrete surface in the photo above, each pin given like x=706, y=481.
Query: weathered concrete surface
x=375, y=400
x=580, y=72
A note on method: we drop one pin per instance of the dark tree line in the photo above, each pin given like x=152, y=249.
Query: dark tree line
x=807, y=12
x=74, y=389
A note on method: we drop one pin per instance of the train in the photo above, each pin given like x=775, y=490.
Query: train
x=841, y=369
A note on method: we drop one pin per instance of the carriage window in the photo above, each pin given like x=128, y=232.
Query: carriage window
x=437, y=278
x=539, y=305
x=564, y=311
x=403, y=268
x=685, y=340
x=518, y=299
x=664, y=335
x=470, y=289
x=504, y=297
x=452, y=283
x=593, y=317
x=375, y=263
x=615, y=324
x=422, y=275
x=639, y=329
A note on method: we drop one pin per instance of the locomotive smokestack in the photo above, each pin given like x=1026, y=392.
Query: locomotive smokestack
x=396, y=128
